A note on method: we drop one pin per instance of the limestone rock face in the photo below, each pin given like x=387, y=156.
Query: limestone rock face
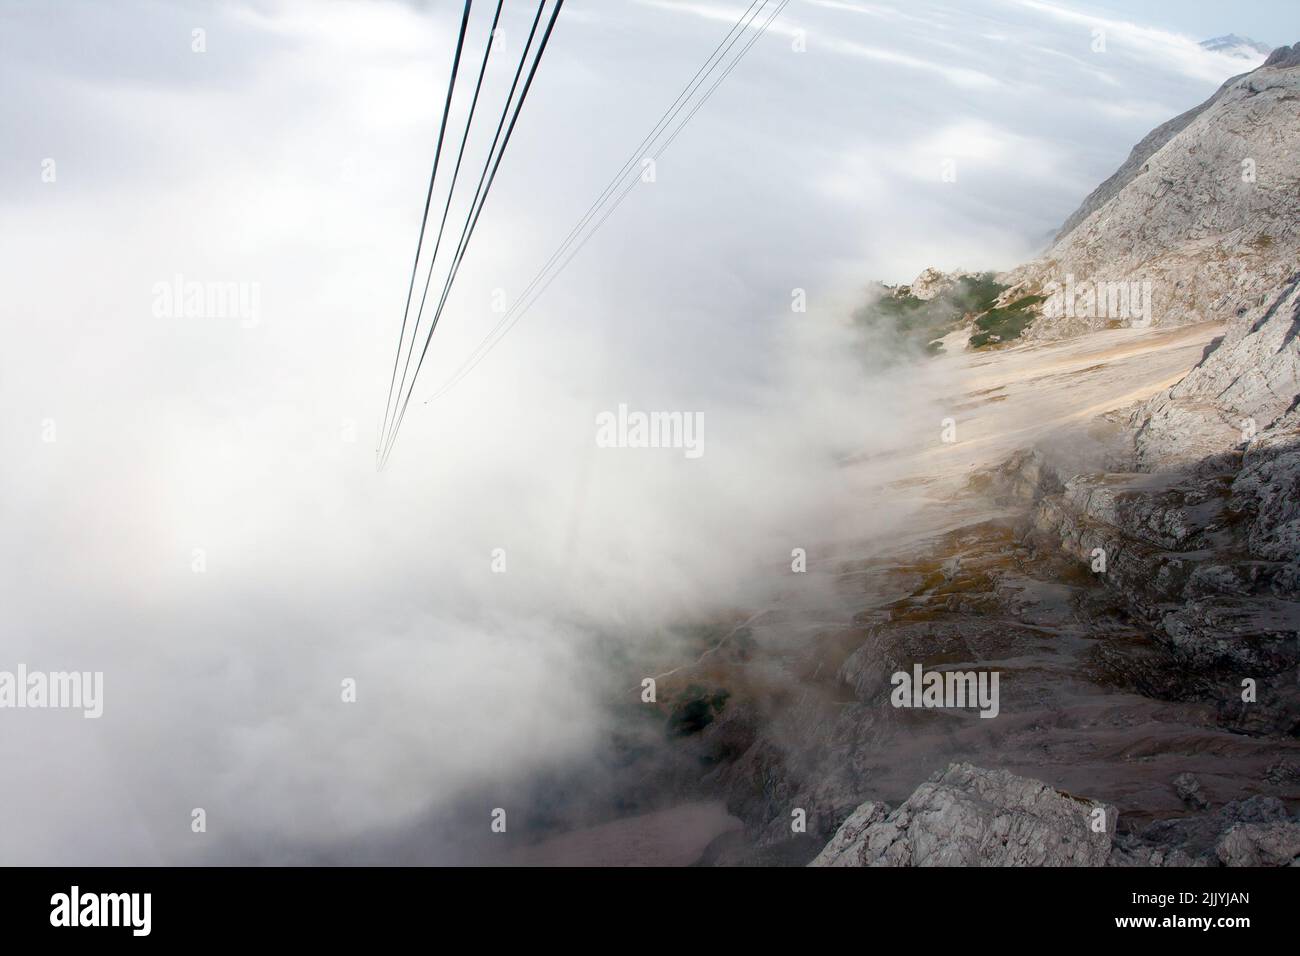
x=931, y=282
x=1242, y=395
x=1198, y=515
x=1152, y=143
x=1284, y=56
x=966, y=816
x=850, y=845
x=1206, y=210
x=1205, y=558
x=1261, y=844
x=1235, y=419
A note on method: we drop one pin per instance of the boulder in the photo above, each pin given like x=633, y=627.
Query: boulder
x=968, y=816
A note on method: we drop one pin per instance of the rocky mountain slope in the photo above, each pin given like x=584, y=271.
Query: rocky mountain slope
x=1135, y=165
x=1201, y=499
x=966, y=816
x=1206, y=211
x=1134, y=575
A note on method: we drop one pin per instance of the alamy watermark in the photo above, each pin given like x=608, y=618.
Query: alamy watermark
x=130, y=910
x=64, y=690
x=188, y=299
x=633, y=429
x=1100, y=299
x=958, y=689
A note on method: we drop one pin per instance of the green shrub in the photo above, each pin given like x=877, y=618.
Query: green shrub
x=1006, y=323
x=918, y=322
x=695, y=710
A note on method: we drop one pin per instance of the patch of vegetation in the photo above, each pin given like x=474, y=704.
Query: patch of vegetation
x=1002, y=325
x=695, y=709
x=919, y=322
x=976, y=293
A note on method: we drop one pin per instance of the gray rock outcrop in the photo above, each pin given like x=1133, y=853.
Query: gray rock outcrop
x=967, y=816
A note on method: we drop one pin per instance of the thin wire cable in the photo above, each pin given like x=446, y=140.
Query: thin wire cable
x=469, y=234
x=451, y=191
x=486, y=346
x=691, y=87
x=639, y=151
x=451, y=85
x=474, y=202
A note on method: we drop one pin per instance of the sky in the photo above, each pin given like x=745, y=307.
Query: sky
x=190, y=502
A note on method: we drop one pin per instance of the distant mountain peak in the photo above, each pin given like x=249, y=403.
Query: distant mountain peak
x=1241, y=47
